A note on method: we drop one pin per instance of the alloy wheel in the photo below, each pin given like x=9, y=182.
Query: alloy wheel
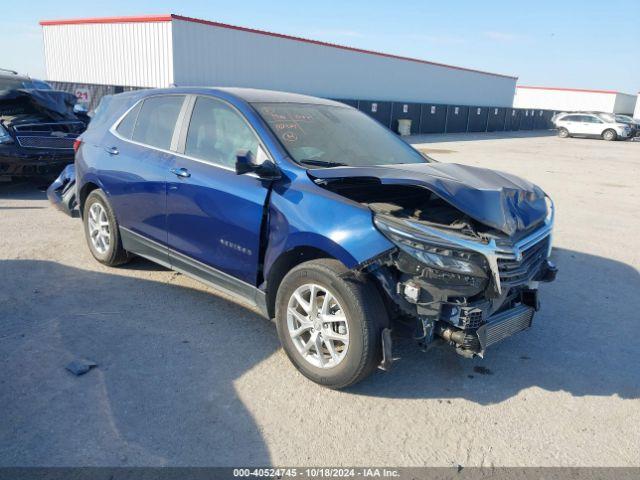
x=318, y=326
x=99, y=229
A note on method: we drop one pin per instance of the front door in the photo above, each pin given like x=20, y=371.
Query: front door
x=592, y=125
x=214, y=216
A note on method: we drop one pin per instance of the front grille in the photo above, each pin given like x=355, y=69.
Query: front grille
x=515, y=272
x=56, y=143
x=505, y=324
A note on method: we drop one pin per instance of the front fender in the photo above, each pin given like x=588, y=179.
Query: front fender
x=306, y=215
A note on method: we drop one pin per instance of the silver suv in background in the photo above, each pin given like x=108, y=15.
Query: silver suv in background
x=592, y=125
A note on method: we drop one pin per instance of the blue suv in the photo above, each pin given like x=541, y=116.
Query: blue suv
x=317, y=215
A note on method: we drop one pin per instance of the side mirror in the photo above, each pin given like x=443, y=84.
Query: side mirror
x=261, y=164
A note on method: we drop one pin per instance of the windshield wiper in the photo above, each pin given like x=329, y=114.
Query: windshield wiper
x=321, y=163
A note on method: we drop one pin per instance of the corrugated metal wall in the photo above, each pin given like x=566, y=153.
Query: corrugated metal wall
x=132, y=54
x=96, y=92
x=213, y=55
x=564, y=100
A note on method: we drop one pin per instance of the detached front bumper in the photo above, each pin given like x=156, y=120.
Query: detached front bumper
x=62, y=192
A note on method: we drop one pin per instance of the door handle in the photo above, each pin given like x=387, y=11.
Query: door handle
x=180, y=172
x=111, y=150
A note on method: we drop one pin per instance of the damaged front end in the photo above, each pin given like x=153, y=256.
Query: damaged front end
x=38, y=129
x=460, y=279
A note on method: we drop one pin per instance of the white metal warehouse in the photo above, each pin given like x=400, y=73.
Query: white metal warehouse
x=573, y=99
x=165, y=50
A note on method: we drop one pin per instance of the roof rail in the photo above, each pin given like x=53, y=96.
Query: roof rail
x=7, y=70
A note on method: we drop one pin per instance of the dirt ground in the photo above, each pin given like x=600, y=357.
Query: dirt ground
x=187, y=378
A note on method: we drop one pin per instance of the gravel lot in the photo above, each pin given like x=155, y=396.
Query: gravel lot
x=186, y=377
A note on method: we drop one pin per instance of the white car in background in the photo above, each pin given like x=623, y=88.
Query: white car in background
x=594, y=125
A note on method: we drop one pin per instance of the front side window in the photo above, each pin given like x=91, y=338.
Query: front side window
x=328, y=136
x=217, y=132
x=157, y=120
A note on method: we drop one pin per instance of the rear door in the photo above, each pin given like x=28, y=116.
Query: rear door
x=573, y=123
x=214, y=216
x=141, y=149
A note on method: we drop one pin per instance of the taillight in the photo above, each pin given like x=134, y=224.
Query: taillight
x=76, y=144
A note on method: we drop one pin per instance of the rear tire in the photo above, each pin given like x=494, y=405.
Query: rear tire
x=336, y=363
x=563, y=132
x=101, y=230
x=609, y=135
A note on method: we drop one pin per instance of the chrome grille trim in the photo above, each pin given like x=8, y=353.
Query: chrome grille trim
x=491, y=250
x=513, y=271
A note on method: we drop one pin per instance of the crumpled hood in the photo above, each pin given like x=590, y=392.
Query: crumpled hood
x=55, y=104
x=500, y=200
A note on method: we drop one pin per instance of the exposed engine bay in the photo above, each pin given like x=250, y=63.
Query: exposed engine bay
x=458, y=279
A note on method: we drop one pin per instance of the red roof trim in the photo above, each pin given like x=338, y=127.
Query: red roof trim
x=166, y=18
x=82, y=21
x=613, y=92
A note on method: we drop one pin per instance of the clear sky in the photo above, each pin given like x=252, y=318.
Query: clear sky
x=569, y=43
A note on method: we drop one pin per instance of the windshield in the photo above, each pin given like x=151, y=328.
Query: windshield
x=330, y=136
x=623, y=119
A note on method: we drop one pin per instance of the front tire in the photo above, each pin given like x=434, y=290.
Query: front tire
x=563, y=132
x=101, y=230
x=329, y=322
x=609, y=135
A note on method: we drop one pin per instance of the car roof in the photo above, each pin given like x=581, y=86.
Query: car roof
x=254, y=95
x=249, y=95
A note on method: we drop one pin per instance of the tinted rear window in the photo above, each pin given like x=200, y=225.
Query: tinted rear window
x=156, y=120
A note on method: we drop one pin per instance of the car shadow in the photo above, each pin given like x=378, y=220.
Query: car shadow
x=163, y=391
x=583, y=342
x=22, y=190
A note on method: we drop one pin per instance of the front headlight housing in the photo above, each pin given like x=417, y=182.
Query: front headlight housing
x=4, y=135
x=434, y=253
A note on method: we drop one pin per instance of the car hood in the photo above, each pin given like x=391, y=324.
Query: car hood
x=53, y=104
x=500, y=200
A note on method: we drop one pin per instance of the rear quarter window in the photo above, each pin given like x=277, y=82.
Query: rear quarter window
x=156, y=120
x=125, y=128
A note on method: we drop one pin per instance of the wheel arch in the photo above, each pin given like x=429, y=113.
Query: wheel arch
x=283, y=265
x=84, y=192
